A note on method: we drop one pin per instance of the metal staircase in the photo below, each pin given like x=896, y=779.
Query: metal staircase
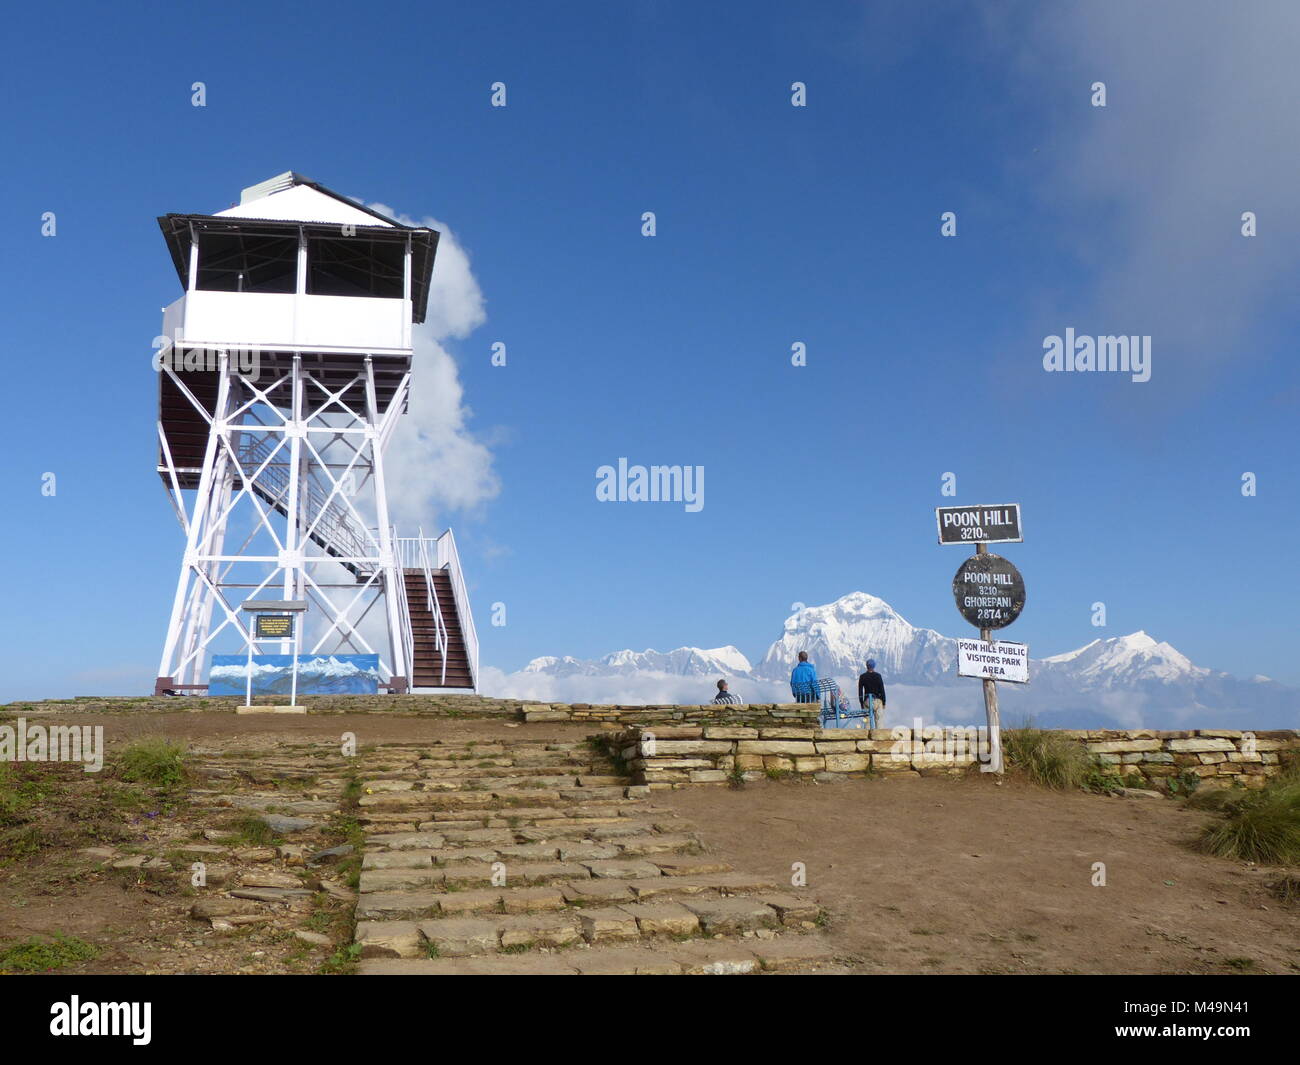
x=329, y=523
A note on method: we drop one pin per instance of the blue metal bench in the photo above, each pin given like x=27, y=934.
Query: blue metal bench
x=835, y=717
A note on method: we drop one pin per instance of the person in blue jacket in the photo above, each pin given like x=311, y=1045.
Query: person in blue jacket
x=803, y=681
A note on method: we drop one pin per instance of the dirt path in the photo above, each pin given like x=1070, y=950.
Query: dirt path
x=961, y=876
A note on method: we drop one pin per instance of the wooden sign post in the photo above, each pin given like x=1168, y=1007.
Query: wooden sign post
x=988, y=589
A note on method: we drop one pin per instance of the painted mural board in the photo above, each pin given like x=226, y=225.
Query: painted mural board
x=317, y=674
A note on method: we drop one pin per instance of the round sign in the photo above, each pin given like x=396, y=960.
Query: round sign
x=989, y=590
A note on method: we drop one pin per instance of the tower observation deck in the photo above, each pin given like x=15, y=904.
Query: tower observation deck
x=283, y=369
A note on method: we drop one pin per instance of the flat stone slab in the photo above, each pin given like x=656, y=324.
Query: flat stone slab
x=408, y=859
x=738, y=882
x=1140, y=793
x=399, y=879
x=663, y=918
x=532, y=899
x=458, y=903
x=614, y=869
x=286, y=825
x=472, y=872
x=389, y=939
x=399, y=905
x=549, y=930
x=460, y=855
x=543, y=872
x=732, y=916
x=458, y=937
x=271, y=894
x=791, y=909
x=478, y=835
x=530, y=852
x=532, y=964
x=612, y=922
x=269, y=878
x=690, y=865
x=401, y=841
x=581, y=851
x=656, y=843
x=596, y=891
x=654, y=886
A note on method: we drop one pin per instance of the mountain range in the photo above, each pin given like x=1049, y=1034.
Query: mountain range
x=1120, y=682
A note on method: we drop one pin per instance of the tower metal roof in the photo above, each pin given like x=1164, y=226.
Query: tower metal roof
x=288, y=202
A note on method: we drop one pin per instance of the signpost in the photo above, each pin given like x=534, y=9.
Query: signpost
x=273, y=620
x=990, y=594
x=989, y=590
x=987, y=523
x=996, y=661
x=273, y=627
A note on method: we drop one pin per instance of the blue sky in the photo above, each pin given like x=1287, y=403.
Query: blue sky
x=775, y=225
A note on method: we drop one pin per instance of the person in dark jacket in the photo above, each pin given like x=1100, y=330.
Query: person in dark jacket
x=724, y=697
x=871, y=683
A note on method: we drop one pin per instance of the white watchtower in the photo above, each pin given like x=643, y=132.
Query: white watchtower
x=283, y=370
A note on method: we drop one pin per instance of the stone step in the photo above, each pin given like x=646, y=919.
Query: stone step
x=588, y=775
x=487, y=933
x=477, y=871
x=501, y=798
x=561, y=849
x=484, y=780
x=780, y=954
x=527, y=828
x=588, y=892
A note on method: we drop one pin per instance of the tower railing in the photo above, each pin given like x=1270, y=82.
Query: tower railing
x=407, y=634
x=413, y=554
x=449, y=559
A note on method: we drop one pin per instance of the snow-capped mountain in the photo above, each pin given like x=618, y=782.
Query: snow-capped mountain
x=683, y=662
x=840, y=636
x=1122, y=660
x=1122, y=681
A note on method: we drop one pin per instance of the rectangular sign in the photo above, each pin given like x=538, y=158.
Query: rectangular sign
x=993, y=661
x=274, y=627
x=987, y=523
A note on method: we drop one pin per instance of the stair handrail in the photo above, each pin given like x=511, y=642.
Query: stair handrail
x=439, y=626
x=404, y=612
x=449, y=559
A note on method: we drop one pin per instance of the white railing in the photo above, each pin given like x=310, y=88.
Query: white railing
x=439, y=625
x=406, y=635
x=449, y=559
x=413, y=553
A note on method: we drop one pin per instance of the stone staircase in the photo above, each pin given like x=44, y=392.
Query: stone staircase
x=542, y=858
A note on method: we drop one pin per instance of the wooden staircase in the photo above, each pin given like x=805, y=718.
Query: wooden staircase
x=426, y=670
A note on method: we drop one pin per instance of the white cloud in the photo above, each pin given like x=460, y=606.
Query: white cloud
x=435, y=462
x=646, y=687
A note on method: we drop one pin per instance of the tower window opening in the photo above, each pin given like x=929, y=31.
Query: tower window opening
x=247, y=262
x=353, y=267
